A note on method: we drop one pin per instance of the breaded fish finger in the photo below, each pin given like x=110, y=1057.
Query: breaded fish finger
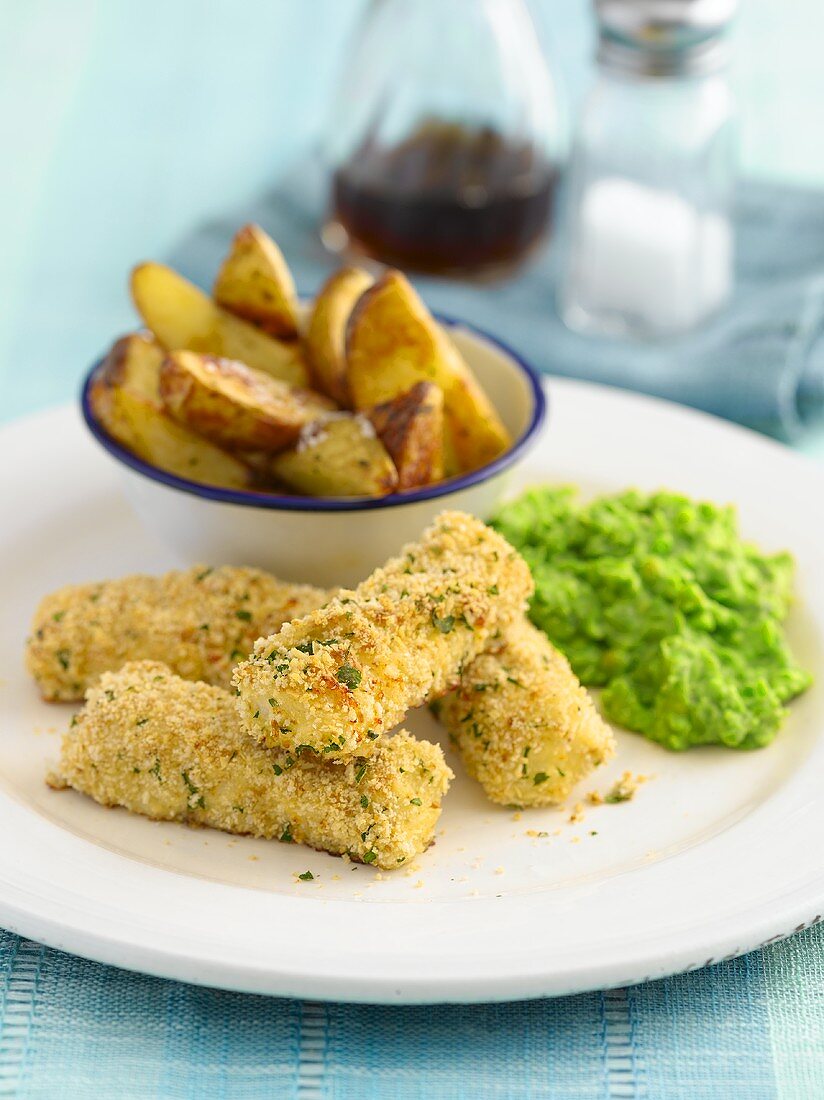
x=525, y=727
x=337, y=679
x=173, y=750
x=199, y=621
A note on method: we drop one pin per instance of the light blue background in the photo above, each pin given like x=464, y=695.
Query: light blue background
x=124, y=125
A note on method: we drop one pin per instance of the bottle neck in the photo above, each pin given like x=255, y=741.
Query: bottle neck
x=630, y=59
x=434, y=12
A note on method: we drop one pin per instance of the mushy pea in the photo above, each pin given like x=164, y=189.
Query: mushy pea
x=657, y=599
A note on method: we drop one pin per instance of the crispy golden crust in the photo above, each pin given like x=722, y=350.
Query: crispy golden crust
x=392, y=342
x=411, y=428
x=340, y=677
x=337, y=456
x=255, y=283
x=326, y=331
x=181, y=316
x=235, y=406
x=199, y=621
x=125, y=399
x=526, y=728
x=174, y=751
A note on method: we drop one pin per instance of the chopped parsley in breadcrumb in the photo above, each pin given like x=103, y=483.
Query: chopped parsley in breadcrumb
x=173, y=750
x=524, y=726
x=337, y=679
x=199, y=621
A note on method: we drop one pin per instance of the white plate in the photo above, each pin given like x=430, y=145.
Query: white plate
x=717, y=853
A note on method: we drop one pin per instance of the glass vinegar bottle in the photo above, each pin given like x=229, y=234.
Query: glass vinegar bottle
x=446, y=138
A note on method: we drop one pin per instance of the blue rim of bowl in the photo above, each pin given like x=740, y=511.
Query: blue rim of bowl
x=251, y=498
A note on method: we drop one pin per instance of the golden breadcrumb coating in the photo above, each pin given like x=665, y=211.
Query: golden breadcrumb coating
x=526, y=728
x=173, y=750
x=199, y=621
x=343, y=675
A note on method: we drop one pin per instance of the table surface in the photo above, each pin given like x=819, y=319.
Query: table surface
x=124, y=127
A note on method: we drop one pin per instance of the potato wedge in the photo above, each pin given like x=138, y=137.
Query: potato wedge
x=234, y=405
x=133, y=363
x=410, y=426
x=182, y=317
x=337, y=457
x=326, y=331
x=255, y=283
x=392, y=342
x=121, y=400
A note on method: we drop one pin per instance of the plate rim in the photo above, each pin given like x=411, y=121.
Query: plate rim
x=193, y=970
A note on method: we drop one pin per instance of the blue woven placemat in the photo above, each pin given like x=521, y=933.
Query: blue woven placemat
x=752, y=1028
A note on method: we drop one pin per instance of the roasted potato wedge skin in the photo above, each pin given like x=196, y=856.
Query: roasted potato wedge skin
x=326, y=331
x=255, y=283
x=340, y=456
x=235, y=406
x=392, y=342
x=410, y=426
x=182, y=317
x=149, y=432
x=134, y=363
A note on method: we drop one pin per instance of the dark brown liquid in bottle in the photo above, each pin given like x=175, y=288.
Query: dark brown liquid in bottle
x=448, y=199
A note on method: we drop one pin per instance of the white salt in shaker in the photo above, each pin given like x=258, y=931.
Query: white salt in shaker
x=648, y=238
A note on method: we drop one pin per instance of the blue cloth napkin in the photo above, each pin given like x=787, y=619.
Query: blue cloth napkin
x=760, y=362
x=753, y=1028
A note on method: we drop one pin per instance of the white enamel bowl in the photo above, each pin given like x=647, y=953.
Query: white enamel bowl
x=324, y=541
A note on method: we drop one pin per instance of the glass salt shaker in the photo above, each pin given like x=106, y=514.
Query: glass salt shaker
x=446, y=137
x=649, y=241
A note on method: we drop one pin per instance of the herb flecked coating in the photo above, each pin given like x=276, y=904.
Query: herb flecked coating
x=525, y=727
x=334, y=681
x=657, y=599
x=200, y=621
x=173, y=750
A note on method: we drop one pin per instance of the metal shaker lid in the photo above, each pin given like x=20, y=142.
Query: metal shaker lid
x=663, y=37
